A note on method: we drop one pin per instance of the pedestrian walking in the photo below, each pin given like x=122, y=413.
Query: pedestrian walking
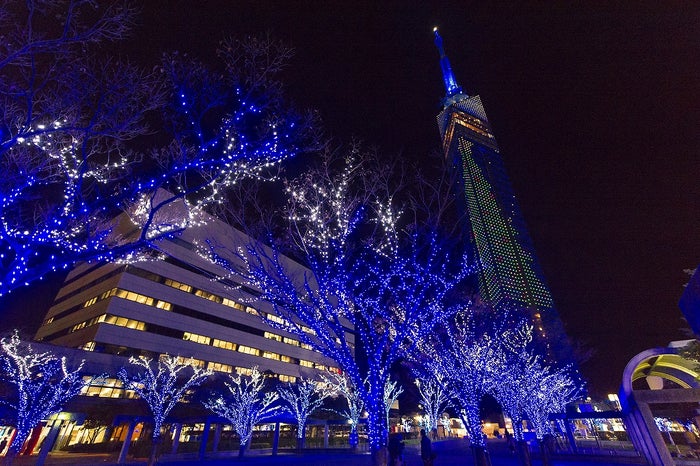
x=426, y=449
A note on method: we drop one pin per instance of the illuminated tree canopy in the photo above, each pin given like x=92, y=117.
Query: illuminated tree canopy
x=162, y=385
x=371, y=272
x=301, y=399
x=76, y=149
x=246, y=404
x=41, y=384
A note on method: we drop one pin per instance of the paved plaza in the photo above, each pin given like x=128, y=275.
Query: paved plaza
x=452, y=453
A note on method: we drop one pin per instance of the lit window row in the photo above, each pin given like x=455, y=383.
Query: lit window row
x=223, y=344
x=188, y=336
x=113, y=320
x=190, y=361
x=178, y=285
x=230, y=303
x=201, y=339
x=136, y=297
x=220, y=367
x=248, y=350
x=105, y=388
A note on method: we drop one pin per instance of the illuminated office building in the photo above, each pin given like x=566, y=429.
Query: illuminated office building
x=177, y=305
x=510, y=279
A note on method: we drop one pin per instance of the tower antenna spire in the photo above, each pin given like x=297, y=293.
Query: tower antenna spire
x=451, y=85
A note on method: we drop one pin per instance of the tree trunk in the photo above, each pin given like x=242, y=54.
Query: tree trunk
x=354, y=439
x=481, y=456
x=522, y=449
x=244, y=444
x=301, y=437
x=154, y=451
x=544, y=450
x=377, y=434
x=379, y=456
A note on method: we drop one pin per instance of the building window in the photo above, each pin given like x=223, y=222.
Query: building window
x=89, y=346
x=248, y=350
x=305, y=363
x=201, y=339
x=90, y=302
x=219, y=367
x=190, y=361
x=209, y=296
x=105, y=388
x=178, y=285
x=271, y=355
x=276, y=319
x=273, y=336
x=166, y=306
x=290, y=341
x=224, y=344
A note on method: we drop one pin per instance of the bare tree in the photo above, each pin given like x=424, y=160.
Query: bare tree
x=162, y=385
x=340, y=384
x=434, y=397
x=468, y=354
x=41, y=384
x=246, y=404
x=392, y=390
x=301, y=400
x=368, y=274
x=72, y=118
x=549, y=390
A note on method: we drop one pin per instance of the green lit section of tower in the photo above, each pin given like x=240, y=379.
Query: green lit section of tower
x=510, y=279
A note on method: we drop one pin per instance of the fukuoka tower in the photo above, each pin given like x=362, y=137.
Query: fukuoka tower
x=509, y=277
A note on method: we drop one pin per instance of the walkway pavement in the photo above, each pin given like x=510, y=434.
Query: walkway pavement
x=451, y=453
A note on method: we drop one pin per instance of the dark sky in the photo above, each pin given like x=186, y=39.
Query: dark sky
x=596, y=109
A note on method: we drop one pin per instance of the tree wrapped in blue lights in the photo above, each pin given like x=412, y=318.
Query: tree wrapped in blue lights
x=341, y=385
x=368, y=275
x=510, y=390
x=469, y=355
x=301, y=399
x=73, y=132
x=162, y=386
x=246, y=404
x=41, y=384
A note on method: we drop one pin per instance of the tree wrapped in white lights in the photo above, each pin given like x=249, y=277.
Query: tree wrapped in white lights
x=162, y=385
x=340, y=384
x=392, y=390
x=246, y=404
x=301, y=399
x=434, y=397
x=550, y=390
x=368, y=276
x=40, y=384
x=75, y=149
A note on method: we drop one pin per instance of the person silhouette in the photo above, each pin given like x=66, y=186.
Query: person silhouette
x=426, y=449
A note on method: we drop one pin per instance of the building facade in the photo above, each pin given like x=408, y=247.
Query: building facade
x=177, y=303
x=509, y=277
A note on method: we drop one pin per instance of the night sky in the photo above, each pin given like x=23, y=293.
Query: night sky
x=596, y=109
